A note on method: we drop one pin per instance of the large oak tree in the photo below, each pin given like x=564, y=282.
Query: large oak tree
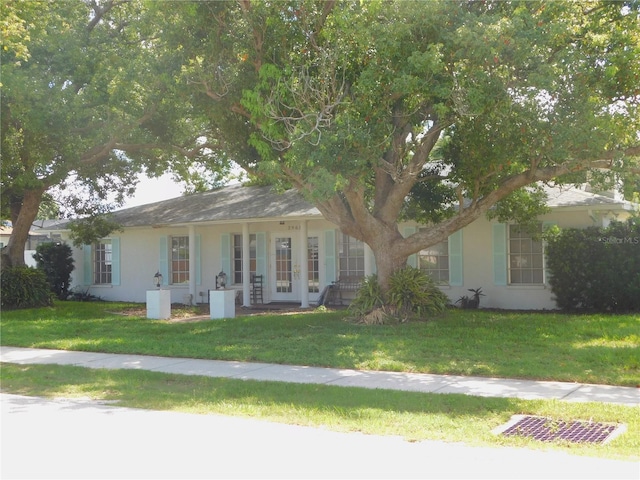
x=88, y=101
x=439, y=109
x=373, y=110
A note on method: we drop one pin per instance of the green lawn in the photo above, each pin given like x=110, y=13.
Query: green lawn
x=545, y=346
x=585, y=348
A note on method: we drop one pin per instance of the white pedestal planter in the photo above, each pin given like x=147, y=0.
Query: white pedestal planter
x=222, y=303
x=159, y=304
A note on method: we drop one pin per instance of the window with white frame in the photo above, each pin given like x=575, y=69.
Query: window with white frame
x=102, y=262
x=180, y=259
x=434, y=261
x=237, y=257
x=351, y=257
x=526, y=259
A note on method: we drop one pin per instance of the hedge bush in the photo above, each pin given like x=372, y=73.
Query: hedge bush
x=24, y=287
x=596, y=269
x=56, y=261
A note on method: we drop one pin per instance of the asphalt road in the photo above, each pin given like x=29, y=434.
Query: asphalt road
x=68, y=439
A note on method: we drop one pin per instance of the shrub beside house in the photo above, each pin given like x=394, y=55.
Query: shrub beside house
x=596, y=268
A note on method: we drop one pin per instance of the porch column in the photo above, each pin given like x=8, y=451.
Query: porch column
x=246, y=266
x=192, y=263
x=304, y=266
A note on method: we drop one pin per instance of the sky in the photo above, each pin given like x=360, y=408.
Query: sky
x=151, y=190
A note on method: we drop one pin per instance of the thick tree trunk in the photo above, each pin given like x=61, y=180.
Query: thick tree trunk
x=385, y=243
x=23, y=214
x=388, y=261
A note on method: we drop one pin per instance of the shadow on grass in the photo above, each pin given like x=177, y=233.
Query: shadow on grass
x=551, y=346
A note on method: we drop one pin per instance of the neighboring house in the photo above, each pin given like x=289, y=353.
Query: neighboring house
x=246, y=231
x=38, y=234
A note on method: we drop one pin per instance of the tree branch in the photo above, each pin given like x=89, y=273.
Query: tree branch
x=311, y=106
x=100, y=11
x=327, y=7
x=467, y=215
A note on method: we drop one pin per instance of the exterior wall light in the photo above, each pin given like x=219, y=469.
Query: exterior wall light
x=221, y=280
x=157, y=279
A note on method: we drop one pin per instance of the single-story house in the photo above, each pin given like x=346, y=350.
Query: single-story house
x=247, y=231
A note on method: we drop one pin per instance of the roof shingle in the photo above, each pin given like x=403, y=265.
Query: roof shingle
x=231, y=203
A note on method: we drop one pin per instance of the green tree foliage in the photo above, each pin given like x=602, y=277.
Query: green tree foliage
x=596, y=269
x=89, y=99
x=56, y=261
x=439, y=110
x=89, y=230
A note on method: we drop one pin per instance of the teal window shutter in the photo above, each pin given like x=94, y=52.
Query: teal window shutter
x=456, y=277
x=330, y=256
x=546, y=273
x=115, y=261
x=412, y=261
x=163, y=261
x=197, y=259
x=499, y=254
x=87, y=264
x=261, y=255
x=225, y=254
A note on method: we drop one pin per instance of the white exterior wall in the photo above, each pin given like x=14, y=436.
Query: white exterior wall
x=478, y=267
x=139, y=254
x=28, y=258
x=478, y=272
x=140, y=259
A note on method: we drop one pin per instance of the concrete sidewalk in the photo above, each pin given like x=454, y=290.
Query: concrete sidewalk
x=415, y=382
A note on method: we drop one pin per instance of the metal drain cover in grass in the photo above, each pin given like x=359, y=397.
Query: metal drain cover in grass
x=548, y=429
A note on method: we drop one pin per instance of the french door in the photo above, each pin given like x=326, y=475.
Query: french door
x=286, y=274
x=286, y=270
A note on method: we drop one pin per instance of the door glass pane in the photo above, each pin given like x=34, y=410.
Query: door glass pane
x=283, y=265
x=314, y=266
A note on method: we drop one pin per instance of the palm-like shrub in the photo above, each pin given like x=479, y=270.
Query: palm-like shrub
x=368, y=299
x=412, y=295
